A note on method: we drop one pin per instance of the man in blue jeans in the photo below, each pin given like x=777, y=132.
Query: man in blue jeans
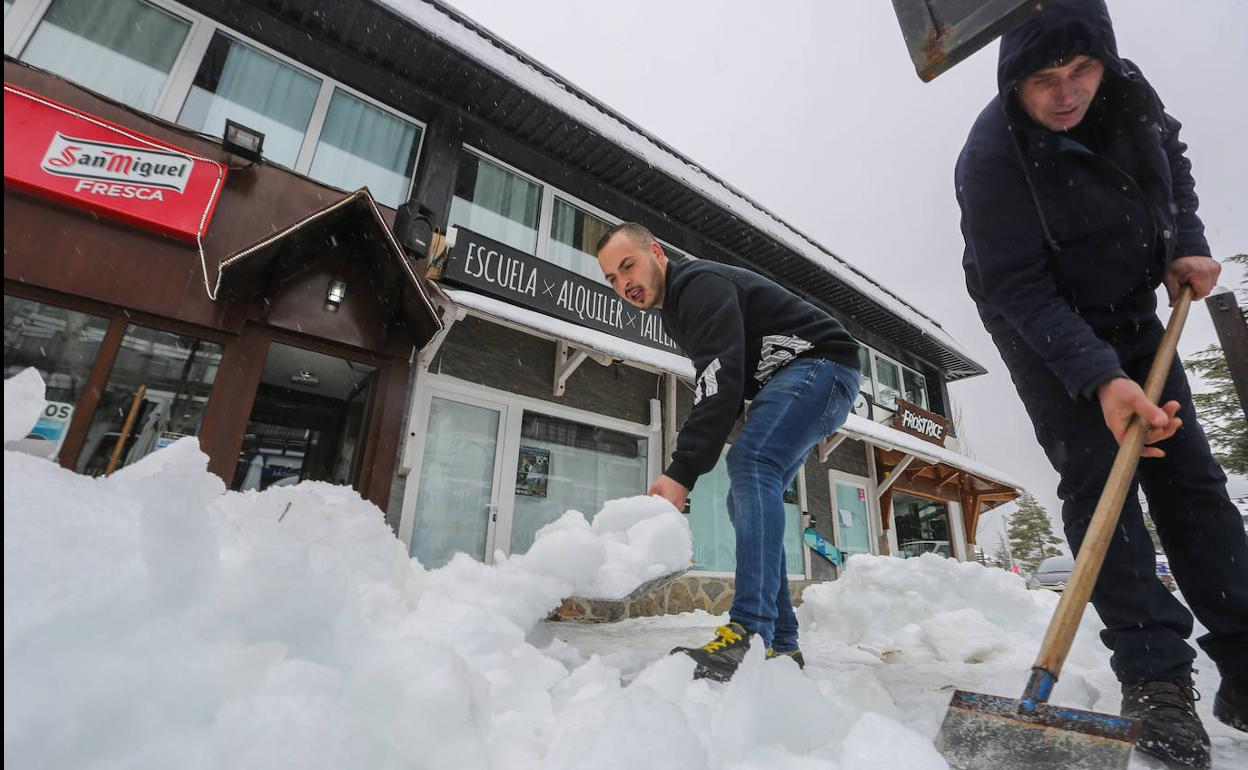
x=749, y=339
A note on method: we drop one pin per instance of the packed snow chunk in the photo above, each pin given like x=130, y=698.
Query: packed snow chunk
x=876, y=742
x=631, y=540
x=646, y=538
x=887, y=606
x=963, y=635
x=23, y=403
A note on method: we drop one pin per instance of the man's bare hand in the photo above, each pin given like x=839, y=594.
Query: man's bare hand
x=1201, y=272
x=671, y=490
x=1123, y=398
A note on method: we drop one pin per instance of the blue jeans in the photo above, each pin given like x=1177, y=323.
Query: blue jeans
x=801, y=404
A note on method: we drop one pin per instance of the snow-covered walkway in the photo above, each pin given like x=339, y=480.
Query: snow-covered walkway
x=154, y=620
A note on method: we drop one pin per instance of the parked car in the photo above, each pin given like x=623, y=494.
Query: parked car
x=1053, y=573
x=913, y=548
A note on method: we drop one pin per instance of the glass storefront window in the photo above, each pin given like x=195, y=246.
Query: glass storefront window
x=889, y=385
x=573, y=235
x=496, y=203
x=122, y=48
x=922, y=526
x=714, y=539
x=916, y=388
x=62, y=345
x=362, y=145
x=566, y=465
x=176, y=373
x=246, y=85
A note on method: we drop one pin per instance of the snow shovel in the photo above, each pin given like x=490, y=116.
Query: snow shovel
x=989, y=732
x=650, y=585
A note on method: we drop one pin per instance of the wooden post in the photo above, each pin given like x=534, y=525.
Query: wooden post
x=125, y=430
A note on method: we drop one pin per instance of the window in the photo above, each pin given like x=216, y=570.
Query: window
x=715, y=540
x=565, y=465
x=364, y=145
x=574, y=233
x=916, y=387
x=922, y=526
x=866, y=384
x=62, y=344
x=122, y=48
x=171, y=375
x=889, y=382
x=496, y=203
x=246, y=85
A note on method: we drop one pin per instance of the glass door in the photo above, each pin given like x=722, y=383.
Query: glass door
x=459, y=481
x=851, y=520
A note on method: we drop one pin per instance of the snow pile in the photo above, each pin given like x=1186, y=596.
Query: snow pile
x=23, y=401
x=154, y=620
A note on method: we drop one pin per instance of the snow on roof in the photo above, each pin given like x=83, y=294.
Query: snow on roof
x=891, y=438
x=447, y=25
x=621, y=349
x=624, y=350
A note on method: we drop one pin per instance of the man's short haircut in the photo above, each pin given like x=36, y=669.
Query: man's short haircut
x=638, y=233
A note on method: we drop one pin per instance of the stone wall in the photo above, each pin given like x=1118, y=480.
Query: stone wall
x=685, y=594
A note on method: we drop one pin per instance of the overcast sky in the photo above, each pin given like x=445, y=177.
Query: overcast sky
x=812, y=108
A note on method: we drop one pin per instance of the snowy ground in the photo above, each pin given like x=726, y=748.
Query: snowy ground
x=154, y=620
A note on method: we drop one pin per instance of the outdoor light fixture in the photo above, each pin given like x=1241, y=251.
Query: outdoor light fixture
x=336, y=293
x=305, y=378
x=243, y=142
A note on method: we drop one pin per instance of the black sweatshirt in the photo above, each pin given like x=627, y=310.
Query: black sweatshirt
x=739, y=329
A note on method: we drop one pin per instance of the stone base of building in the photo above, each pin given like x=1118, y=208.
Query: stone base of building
x=713, y=594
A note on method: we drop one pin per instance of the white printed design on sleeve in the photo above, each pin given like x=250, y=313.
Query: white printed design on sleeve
x=777, y=350
x=708, y=383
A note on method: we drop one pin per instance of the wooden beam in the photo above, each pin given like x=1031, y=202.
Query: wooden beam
x=895, y=475
x=828, y=445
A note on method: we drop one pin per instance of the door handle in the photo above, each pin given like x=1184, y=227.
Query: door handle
x=492, y=509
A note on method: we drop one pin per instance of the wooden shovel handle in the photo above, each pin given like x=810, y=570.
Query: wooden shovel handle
x=1091, y=556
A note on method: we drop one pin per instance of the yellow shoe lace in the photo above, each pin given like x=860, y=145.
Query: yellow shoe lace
x=724, y=635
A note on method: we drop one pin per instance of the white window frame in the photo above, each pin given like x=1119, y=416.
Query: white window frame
x=26, y=15
x=546, y=213
x=429, y=385
x=873, y=509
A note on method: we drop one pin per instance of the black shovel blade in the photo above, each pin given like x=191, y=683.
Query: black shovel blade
x=989, y=732
x=941, y=33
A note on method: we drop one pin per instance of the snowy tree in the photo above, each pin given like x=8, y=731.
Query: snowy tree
x=1031, y=533
x=1219, y=410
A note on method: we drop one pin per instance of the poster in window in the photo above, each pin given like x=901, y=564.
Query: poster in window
x=532, y=471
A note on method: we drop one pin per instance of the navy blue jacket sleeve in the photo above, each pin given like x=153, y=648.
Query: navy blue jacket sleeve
x=1191, y=236
x=1005, y=247
x=710, y=313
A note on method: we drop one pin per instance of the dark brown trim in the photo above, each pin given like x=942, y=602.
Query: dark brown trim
x=84, y=410
x=233, y=396
x=109, y=311
x=384, y=431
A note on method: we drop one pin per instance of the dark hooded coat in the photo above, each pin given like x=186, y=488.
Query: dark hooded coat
x=1069, y=235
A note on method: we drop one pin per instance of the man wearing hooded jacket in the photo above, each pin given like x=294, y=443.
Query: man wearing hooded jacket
x=1077, y=203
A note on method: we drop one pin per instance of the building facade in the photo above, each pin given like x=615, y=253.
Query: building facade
x=474, y=389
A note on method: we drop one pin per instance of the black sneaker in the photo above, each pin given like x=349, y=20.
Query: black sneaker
x=718, y=659
x=795, y=654
x=1169, y=727
x=1230, y=705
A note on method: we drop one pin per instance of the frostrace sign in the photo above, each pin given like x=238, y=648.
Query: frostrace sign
x=84, y=161
x=917, y=421
x=522, y=279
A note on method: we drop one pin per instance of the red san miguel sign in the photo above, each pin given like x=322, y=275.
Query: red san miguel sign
x=87, y=162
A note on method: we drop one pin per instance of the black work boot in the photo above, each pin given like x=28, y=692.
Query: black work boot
x=1230, y=705
x=718, y=659
x=1169, y=727
x=795, y=654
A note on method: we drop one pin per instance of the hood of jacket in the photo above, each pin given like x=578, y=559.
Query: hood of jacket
x=1061, y=29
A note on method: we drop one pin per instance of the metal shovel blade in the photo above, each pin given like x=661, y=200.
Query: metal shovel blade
x=989, y=732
